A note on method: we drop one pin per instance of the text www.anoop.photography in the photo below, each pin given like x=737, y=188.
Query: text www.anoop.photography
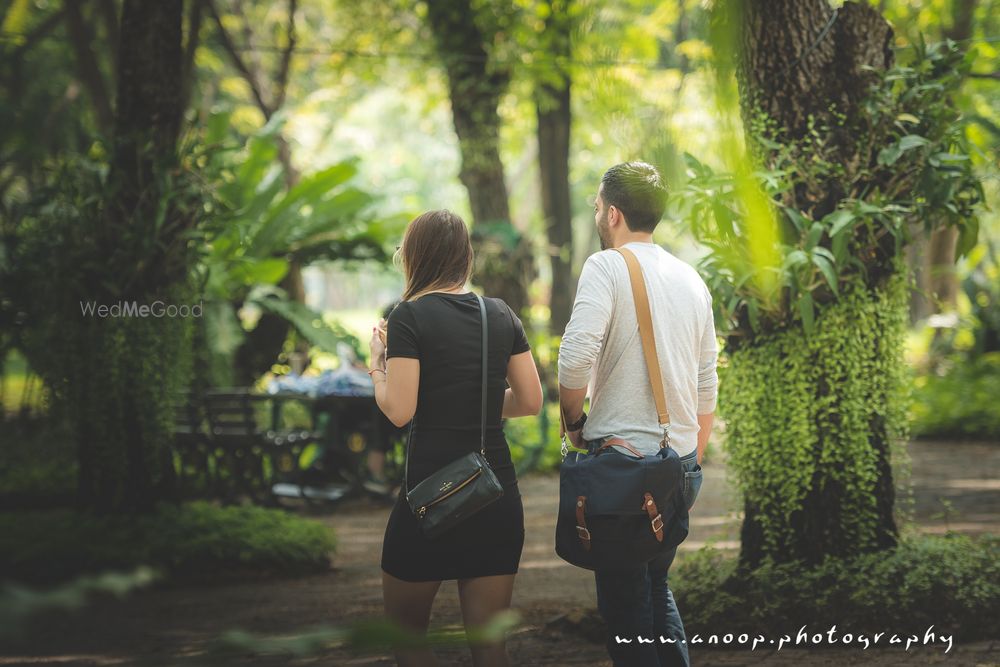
x=804, y=638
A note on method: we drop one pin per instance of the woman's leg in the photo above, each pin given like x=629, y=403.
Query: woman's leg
x=408, y=605
x=481, y=599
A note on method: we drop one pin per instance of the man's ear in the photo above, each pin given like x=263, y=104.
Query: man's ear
x=614, y=216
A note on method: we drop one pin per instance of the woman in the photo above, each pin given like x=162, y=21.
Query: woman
x=432, y=370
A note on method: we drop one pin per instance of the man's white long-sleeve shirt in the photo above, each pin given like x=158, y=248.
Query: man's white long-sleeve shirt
x=602, y=347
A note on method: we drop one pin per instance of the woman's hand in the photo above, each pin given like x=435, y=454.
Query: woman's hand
x=377, y=346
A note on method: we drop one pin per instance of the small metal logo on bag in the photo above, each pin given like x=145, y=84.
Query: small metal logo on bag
x=445, y=486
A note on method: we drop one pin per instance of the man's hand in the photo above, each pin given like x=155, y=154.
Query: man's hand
x=571, y=408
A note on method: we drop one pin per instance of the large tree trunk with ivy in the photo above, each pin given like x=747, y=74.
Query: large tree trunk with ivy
x=476, y=82
x=125, y=369
x=552, y=105
x=812, y=418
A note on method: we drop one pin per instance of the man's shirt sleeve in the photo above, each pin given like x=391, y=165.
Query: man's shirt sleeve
x=708, y=378
x=584, y=336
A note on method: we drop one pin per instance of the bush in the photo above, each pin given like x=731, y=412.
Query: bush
x=193, y=540
x=39, y=461
x=950, y=582
x=961, y=402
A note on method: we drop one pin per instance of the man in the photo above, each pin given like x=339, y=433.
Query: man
x=602, y=346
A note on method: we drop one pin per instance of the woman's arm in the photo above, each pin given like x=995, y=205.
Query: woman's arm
x=396, y=389
x=396, y=380
x=524, y=397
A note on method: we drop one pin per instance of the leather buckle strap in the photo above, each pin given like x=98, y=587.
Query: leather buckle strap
x=618, y=442
x=581, y=522
x=655, y=517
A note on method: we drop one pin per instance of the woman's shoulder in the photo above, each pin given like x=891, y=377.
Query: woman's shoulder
x=500, y=305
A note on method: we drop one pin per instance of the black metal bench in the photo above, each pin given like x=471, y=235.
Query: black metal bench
x=223, y=451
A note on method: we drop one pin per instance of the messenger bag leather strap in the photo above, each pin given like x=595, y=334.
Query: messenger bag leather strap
x=581, y=522
x=645, y=318
x=655, y=518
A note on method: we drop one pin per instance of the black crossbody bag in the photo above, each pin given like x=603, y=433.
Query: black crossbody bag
x=463, y=487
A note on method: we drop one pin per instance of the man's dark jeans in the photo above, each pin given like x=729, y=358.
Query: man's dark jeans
x=636, y=602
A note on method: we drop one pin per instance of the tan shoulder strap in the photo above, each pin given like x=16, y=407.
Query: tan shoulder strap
x=645, y=318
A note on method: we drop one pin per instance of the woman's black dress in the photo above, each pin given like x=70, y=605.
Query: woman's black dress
x=443, y=332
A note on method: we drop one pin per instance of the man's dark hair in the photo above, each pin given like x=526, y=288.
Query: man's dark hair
x=637, y=190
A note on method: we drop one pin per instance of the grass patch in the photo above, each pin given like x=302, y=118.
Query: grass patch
x=194, y=540
x=950, y=582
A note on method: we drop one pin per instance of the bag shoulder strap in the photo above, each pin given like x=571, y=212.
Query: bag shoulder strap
x=486, y=349
x=482, y=415
x=645, y=318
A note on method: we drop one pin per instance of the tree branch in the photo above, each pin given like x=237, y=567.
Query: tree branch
x=248, y=75
x=109, y=15
x=281, y=78
x=195, y=16
x=90, y=72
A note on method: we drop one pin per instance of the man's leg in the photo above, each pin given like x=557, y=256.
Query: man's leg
x=666, y=617
x=625, y=603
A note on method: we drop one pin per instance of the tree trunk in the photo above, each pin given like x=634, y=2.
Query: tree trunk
x=122, y=393
x=802, y=61
x=552, y=106
x=475, y=86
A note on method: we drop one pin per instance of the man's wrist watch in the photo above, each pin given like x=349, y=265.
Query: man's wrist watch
x=578, y=424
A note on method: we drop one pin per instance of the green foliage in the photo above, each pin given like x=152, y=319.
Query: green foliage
x=534, y=441
x=112, y=377
x=265, y=225
x=39, y=460
x=195, y=539
x=952, y=583
x=363, y=636
x=956, y=393
x=809, y=414
x=961, y=401
x=913, y=166
x=982, y=288
x=18, y=604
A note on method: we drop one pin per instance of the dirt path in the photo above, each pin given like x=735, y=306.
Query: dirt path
x=956, y=487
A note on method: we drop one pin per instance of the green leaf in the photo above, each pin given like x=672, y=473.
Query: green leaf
x=753, y=310
x=838, y=221
x=890, y=154
x=279, y=222
x=968, y=235
x=827, y=268
x=223, y=330
x=815, y=234
x=799, y=220
x=307, y=322
x=267, y=271
x=807, y=310
x=796, y=258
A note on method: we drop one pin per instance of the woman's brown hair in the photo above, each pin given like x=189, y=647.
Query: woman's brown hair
x=436, y=253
